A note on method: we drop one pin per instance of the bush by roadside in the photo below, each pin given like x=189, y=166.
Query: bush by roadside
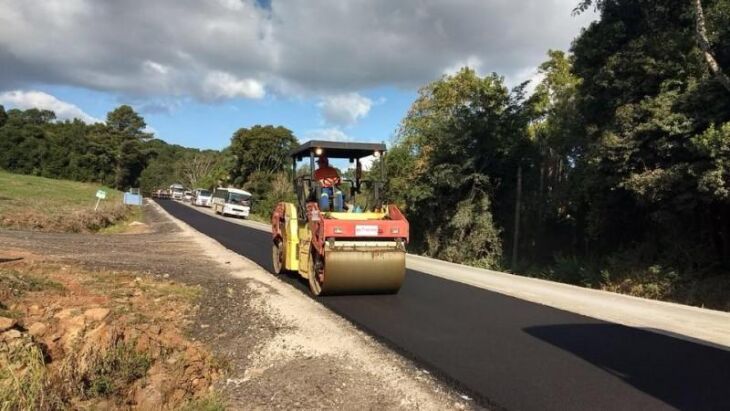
x=625, y=273
x=79, y=221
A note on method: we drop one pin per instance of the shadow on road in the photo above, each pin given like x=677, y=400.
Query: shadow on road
x=682, y=374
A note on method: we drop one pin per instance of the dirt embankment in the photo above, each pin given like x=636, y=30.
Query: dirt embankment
x=78, y=221
x=271, y=346
x=75, y=338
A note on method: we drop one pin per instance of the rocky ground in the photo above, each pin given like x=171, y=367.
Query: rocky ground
x=262, y=344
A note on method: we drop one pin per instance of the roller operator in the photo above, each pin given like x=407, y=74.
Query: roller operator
x=329, y=180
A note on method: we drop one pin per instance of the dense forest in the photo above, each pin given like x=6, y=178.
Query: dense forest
x=117, y=153
x=613, y=173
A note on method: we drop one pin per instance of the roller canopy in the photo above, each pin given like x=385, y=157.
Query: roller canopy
x=334, y=149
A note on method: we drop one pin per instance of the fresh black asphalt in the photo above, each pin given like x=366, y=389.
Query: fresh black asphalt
x=509, y=353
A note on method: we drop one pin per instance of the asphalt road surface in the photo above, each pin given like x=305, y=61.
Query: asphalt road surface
x=512, y=354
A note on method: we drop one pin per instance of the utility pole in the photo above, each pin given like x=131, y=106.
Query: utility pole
x=518, y=203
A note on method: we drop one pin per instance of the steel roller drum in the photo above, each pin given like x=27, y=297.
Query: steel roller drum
x=363, y=270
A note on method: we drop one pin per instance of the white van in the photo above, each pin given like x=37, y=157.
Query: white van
x=231, y=201
x=201, y=197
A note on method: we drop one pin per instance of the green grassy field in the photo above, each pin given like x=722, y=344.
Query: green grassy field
x=37, y=203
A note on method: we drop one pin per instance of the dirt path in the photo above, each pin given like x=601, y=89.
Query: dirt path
x=279, y=348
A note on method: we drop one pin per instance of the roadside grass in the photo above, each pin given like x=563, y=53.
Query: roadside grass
x=16, y=283
x=183, y=293
x=623, y=273
x=128, y=225
x=114, y=370
x=260, y=218
x=57, y=196
x=211, y=402
x=24, y=381
x=44, y=204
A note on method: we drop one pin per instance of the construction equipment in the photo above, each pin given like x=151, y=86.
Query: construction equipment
x=360, y=250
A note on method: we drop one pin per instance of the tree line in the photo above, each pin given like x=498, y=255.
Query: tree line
x=120, y=154
x=114, y=153
x=615, y=172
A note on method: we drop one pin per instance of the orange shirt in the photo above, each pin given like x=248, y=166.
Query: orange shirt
x=327, y=176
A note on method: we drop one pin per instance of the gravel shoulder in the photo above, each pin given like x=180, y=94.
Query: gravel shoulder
x=278, y=348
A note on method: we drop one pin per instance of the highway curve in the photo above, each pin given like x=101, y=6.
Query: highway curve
x=513, y=354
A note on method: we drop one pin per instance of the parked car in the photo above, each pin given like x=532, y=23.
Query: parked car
x=202, y=197
x=231, y=201
x=188, y=196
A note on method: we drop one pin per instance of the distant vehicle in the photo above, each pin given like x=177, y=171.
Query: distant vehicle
x=202, y=197
x=188, y=196
x=231, y=201
x=161, y=193
x=177, y=191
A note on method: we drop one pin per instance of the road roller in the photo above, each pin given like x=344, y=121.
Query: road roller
x=340, y=236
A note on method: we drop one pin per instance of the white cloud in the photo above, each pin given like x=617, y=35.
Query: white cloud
x=327, y=134
x=149, y=129
x=155, y=67
x=473, y=62
x=235, y=48
x=37, y=99
x=530, y=74
x=219, y=85
x=344, y=109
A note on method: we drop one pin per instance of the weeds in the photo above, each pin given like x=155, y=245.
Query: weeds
x=209, y=403
x=105, y=365
x=24, y=383
x=115, y=369
x=16, y=283
x=627, y=273
x=186, y=293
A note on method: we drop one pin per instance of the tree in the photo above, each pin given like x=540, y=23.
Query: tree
x=196, y=171
x=38, y=117
x=268, y=189
x=126, y=122
x=459, y=147
x=700, y=25
x=555, y=130
x=3, y=116
x=131, y=161
x=704, y=43
x=644, y=98
x=260, y=149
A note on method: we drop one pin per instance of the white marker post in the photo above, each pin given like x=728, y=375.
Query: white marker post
x=100, y=195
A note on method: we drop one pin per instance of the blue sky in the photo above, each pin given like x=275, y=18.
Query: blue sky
x=198, y=71
x=211, y=125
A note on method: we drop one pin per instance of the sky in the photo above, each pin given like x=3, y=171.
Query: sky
x=198, y=70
